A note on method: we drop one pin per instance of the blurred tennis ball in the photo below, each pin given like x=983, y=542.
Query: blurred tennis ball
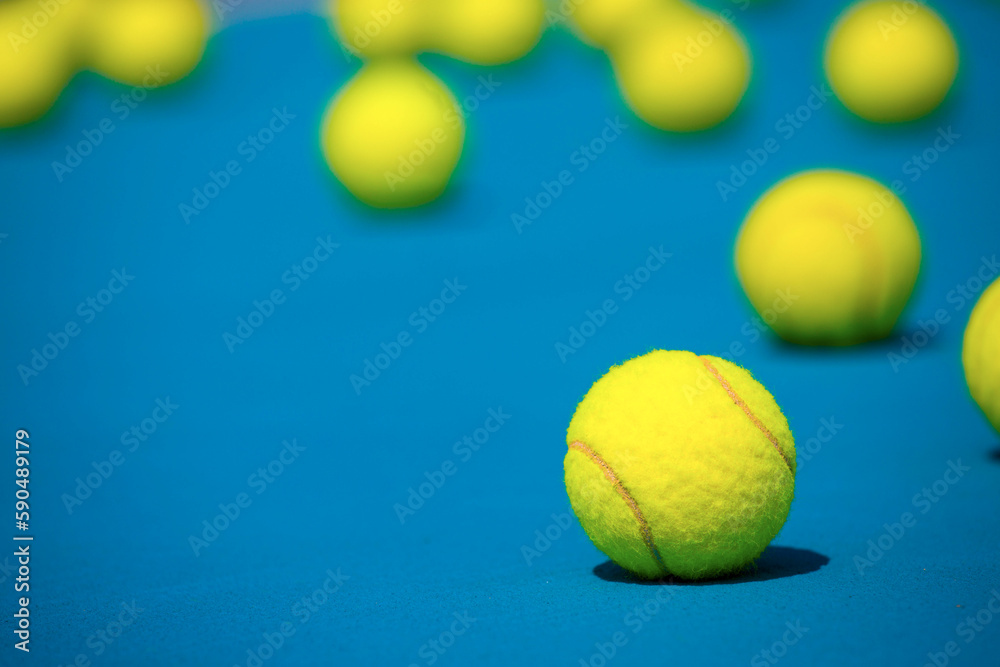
x=891, y=61
x=981, y=353
x=393, y=135
x=485, y=32
x=682, y=70
x=145, y=42
x=374, y=28
x=828, y=258
x=37, y=57
x=606, y=22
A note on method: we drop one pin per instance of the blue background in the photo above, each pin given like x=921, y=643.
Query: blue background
x=468, y=548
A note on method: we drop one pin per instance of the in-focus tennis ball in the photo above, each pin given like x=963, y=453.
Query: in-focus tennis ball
x=683, y=70
x=828, y=258
x=486, y=32
x=891, y=60
x=981, y=353
x=145, y=42
x=680, y=465
x=37, y=58
x=393, y=135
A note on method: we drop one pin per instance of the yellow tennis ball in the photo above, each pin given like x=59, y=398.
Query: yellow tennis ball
x=891, y=60
x=486, y=32
x=394, y=134
x=686, y=70
x=680, y=465
x=37, y=57
x=146, y=42
x=828, y=258
x=606, y=22
x=981, y=353
x=374, y=28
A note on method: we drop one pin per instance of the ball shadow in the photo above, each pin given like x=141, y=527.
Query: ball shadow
x=994, y=455
x=890, y=343
x=774, y=563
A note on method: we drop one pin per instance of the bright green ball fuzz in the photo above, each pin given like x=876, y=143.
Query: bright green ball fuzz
x=981, y=353
x=680, y=465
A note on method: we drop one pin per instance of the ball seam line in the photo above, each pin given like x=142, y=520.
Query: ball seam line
x=746, y=409
x=647, y=533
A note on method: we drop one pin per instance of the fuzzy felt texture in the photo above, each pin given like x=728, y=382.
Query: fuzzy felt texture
x=710, y=465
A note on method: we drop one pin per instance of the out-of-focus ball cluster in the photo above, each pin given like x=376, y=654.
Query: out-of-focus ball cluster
x=394, y=133
x=679, y=67
x=145, y=43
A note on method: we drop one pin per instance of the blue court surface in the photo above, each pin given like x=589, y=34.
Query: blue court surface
x=292, y=430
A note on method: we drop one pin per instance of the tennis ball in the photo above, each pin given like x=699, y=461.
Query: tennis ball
x=606, y=22
x=393, y=135
x=145, y=42
x=37, y=58
x=683, y=70
x=891, y=61
x=828, y=258
x=374, y=28
x=487, y=32
x=680, y=465
x=981, y=353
